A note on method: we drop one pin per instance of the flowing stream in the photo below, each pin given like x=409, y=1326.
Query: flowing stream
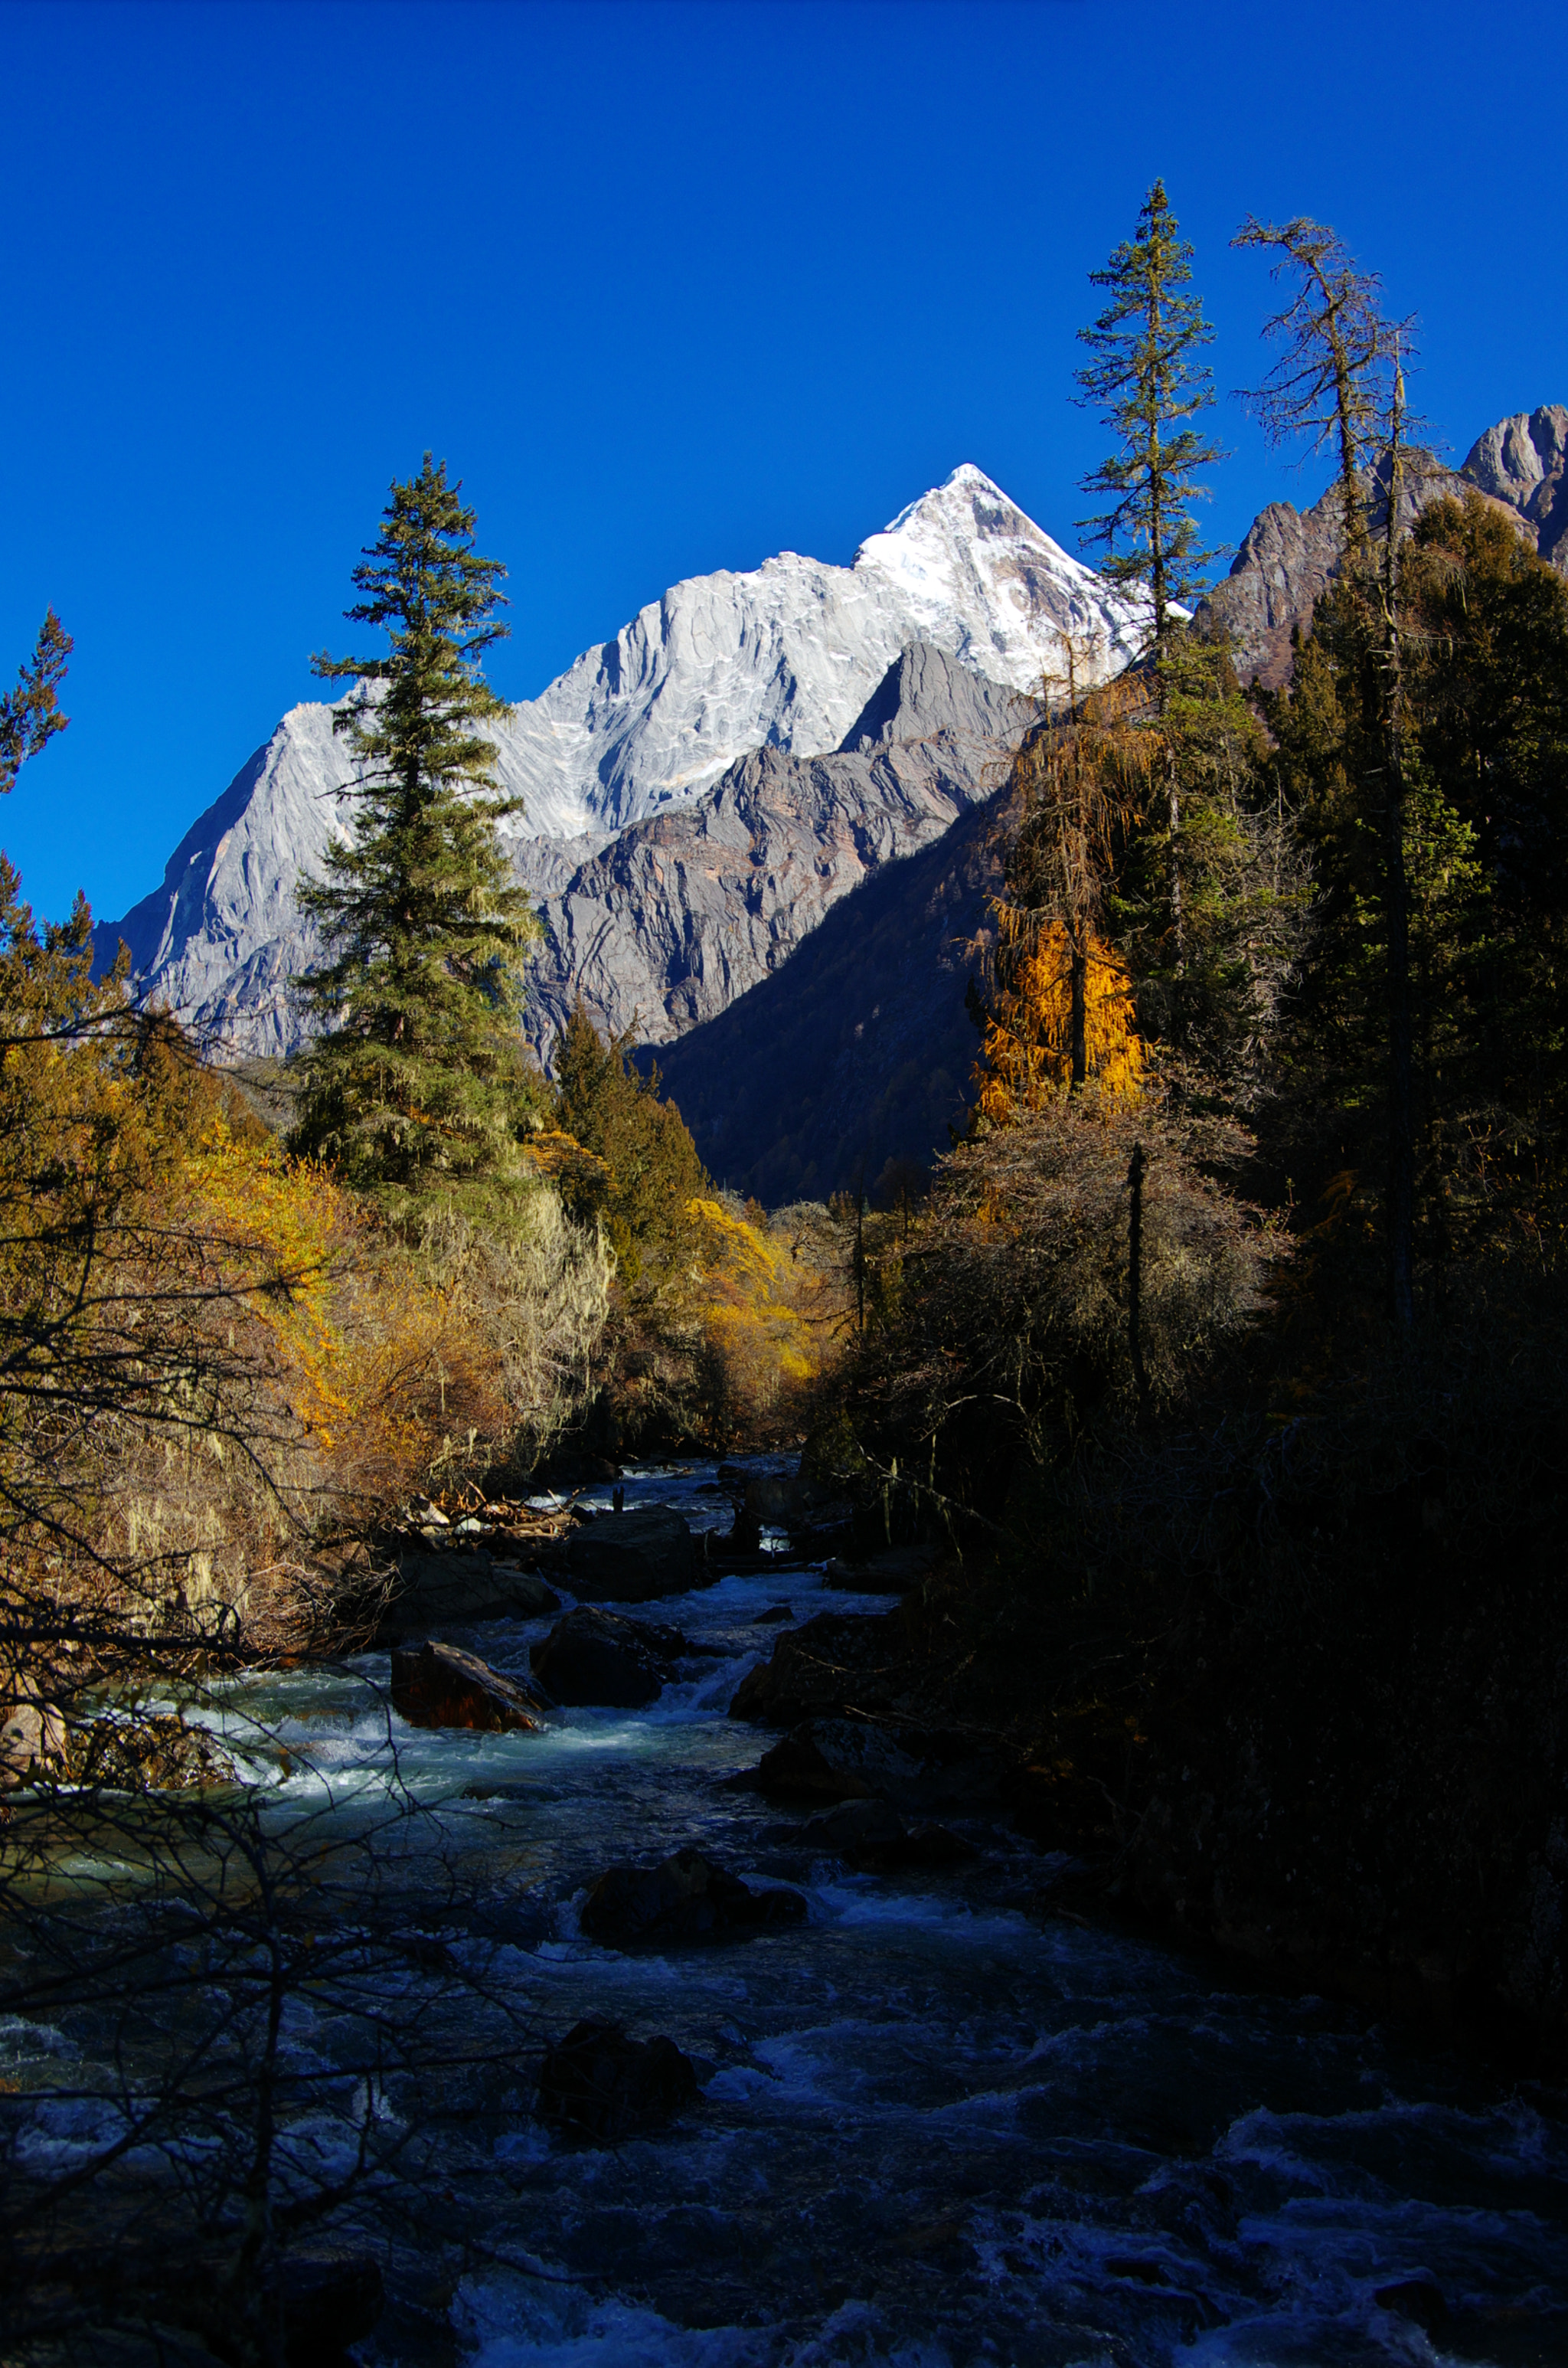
x=936, y=2125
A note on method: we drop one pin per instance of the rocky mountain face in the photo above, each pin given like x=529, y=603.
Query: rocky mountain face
x=762, y=821
x=1290, y=556
x=1523, y=462
x=782, y=659
x=859, y=1049
x=681, y=914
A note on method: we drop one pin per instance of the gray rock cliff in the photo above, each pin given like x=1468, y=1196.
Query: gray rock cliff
x=781, y=659
x=680, y=915
x=1288, y=557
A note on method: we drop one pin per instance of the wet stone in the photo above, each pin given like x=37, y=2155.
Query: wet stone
x=601, y=2085
x=684, y=1898
x=1417, y=2299
x=441, y=1685
x=596, y=1657
x=331, y=2299
x=633, y=1557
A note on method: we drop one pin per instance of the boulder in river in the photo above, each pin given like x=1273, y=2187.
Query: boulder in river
x=854, y=1760
x=892, y=1572
x=834, y=1661
x=439, y=1685
x=436, y=1588
x=868, y=1832
x=592, y=1656
x=684, y=1898
x=873, y=1834
x=838, y=1760
x=1419, y=2298
x=145, y=1751
x=631, y=1557
x=599, y=2084
x=331, y=2298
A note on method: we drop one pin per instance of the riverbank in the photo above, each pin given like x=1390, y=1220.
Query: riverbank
x=956, y=2112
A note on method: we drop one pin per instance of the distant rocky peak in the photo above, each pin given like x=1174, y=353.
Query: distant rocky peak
x=1288, y=557
x=1523, y=461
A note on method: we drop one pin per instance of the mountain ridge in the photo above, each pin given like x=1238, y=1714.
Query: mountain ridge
x=784, y=656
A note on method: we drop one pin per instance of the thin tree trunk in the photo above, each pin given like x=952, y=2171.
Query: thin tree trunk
x=1078, y=1015
x=1401, y=1143
x=1135, y=1280
x=1173, y=817
x=1396, y=897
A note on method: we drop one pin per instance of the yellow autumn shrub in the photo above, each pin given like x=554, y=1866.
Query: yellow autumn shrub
x=759, y=1312
x=1026, y=1056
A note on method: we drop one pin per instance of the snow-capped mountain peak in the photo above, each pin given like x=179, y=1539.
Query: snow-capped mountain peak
x=785, y=656
x=987, y=582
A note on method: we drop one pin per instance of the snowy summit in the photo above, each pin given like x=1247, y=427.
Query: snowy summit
x=785, y=656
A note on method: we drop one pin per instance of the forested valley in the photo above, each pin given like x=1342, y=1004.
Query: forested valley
x=1196, y=1412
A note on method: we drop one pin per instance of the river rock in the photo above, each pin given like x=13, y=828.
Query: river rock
x=434, y=1589
x=893, y=1572
x=631, y=1557
x=870, y=1832
x=873, y=1834
x=838, y=1760
x=1418, y=2298
x=599, y=2084
x=832, y=1662
x=439, y=1685
x=595, y=1657
x=331, y=2299
x=854, y=1760
x=684, y=1898
x=32, y=1739
x=145, y=1752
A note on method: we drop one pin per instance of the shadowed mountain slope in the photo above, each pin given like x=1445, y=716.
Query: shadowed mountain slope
x=683, y=913
x=859, y=1049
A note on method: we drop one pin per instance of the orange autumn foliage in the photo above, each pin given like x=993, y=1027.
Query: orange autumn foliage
x=1026, y=1056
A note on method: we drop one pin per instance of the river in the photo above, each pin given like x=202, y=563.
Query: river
x=938, y=2125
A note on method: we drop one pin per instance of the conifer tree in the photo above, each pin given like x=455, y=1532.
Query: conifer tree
x=1339, y=381
x=643, y=1172
x=29, y=715
x=1150, y=385
x=417, y=1088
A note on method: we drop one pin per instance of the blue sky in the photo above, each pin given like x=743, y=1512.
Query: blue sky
x=671, y=288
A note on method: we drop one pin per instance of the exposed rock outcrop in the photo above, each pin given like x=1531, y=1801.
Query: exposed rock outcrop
x=1523, y=462
x=859, y=1049
x=683, y=913
x=594, y=1658
x=438, y=1685
x=600, y=2084
x=684, y=1898
x=1288, y=557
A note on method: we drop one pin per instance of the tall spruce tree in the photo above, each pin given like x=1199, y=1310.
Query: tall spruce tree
x=29, y=715
x=1340, y=382
x=1148, y=381
x=1150, y=386
x=417, y=1086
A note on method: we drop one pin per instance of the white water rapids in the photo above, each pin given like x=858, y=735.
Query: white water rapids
x=936, y=2126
